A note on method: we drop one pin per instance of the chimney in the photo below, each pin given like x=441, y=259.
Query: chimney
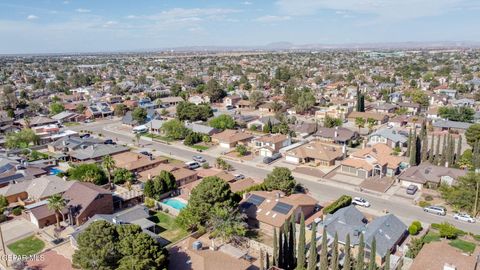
x=149, y=176
x=336, y=132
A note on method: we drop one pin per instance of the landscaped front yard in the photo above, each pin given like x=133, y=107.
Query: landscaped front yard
x=27, y=246
x=168, y=229
x=465, y=246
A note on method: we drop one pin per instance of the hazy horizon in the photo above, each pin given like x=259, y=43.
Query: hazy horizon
x=72, y=26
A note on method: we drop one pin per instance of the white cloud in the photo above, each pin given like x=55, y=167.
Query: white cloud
x=386, y=9
x=83, y=10
x=131, y=17
x=193, y=14
x=247, y=3
x=272, y=18
x=32, y=17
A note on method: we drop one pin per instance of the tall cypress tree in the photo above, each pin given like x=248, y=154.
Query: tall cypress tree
x=267, y=261
x=281, y=252
x=372, y=264
x=431, y=154
x=413, y=149
x=334, y=261
x=291, y=246
x=312, y=256
x=360, y=264
x=301, y=244
x=347, y=263
x=293, y=240
x=275, y=248
x=443, y=156
x=387, y=261
x=437, y=151
x=424, y=148
x=324, y=251
x=459, y=149
x=286, y=249
x=451, y=150
x=262, y=263
x=409, y=143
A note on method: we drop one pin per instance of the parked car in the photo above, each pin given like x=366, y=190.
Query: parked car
x=229, y=107
x=146, y=153
x=239, y=176
x=412, y=189
x=360, y=202
x=438, y=210
x=192, y=165
x=85, y=136
x=268, y=160
x=199, y=159
x=464, y=217
x=109, y=141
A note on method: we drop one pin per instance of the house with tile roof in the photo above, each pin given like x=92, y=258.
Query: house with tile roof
x=339, y=135
x=389, y=136
x=429, y=175
x=34, y=190
x=373, y=161
x=229, y=138
x=96, y=152
x=182, y=175
x=136, y=162
x=270, y=144
x=315, y=153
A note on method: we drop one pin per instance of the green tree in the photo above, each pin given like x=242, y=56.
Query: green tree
x=241, y=150
x=473, y=134
x=372, y=265
x=424, y=148
x=275, y=247
x=324, y=252
x=462, y=196
x=191, y=112
x=139, y=115
x=56, y=203
x=108, y=164
x=414, y=247
x=214, y=90
x=462, y=114
x=92, y=173
x=80, y=108
x=431, y=155
x=334, y=263
x=56, y=108
x=159, y=185
x=347, y=262
x=360, y=123
x=371, y=123
x=331, y=122
x=387, y=261
x=174, y=129
x=222, y=122
x=256, y=97
x=211, y=192
x=280, y=179
x=226, y=223
x=360, y=263
x=305, y=101
x=22, y=139
x=360, y=100
x=312, y=256
x=413, y=149
x=122, y=175
x=448, y=231
x=120, y=110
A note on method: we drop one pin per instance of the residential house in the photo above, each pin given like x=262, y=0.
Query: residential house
x=389, y=136
x=170, y=101
x=13, y=171
x=315, y=153
x=389, y=231
x=464, y=102
x=411, y=108
x=182, y=175
x=271, y=144
x=267, y=210
x=5, y=122
x=262, y=121
x=451, y=125
x=135, y=162
x=337, y=135
x=451, y=93
x=34, y=190
x=378, y=117
x=384, y=108
x=98, y=110
x=37, y=121
x=202, y=129
x=334, y=111
x=146, y=103
x=429, y=175
x=304, y=129
x=96, y=152
x=66, y=117
x=231, y=100
x=374, y=161
x=156, y=126
x=198, y=99
x=71, y=143
x=441, y=255
x=128, y=120
x=84, y=200
x=230, y=138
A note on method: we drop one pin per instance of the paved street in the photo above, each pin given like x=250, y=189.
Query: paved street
x=323, y=191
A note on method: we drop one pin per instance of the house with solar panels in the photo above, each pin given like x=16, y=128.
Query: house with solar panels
x=267, y=210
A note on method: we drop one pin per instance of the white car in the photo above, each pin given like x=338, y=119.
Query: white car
x=360, y=202
x=464, y=217
x=239, y=176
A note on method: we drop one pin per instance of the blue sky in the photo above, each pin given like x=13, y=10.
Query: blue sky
x=55, y=26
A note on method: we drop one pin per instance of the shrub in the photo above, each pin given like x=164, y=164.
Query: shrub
x=428, y=198
x=205, y=165
x=435, y=226
x=3, y=218
x=418, y=225
x=17, y=211
x=423, y=204
x=413, y=230
x=476, y=237
x=448, y=231
x=149, y=202
x=341, y=202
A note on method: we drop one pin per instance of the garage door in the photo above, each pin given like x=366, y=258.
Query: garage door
x=362, y=174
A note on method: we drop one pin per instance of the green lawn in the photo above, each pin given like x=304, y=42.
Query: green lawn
x=168, y=229
x=430, y=237
x=27, y=246
x=158, y=137
x=463, y=245
x=200, y=147
x=71, y=124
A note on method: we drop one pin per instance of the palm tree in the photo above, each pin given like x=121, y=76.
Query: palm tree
x=108, y=164
x=371, y=123
x=56, y=203
x=360, y=123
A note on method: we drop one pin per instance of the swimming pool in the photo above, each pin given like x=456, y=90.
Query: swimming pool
x=54, y=171
x=177, y=204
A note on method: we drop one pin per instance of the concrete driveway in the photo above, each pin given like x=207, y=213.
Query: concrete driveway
x=17, y=229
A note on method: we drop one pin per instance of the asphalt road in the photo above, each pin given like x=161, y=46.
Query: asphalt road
x=323, y=191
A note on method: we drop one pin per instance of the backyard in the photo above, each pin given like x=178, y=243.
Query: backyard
x=168, y=229
x=27, y=246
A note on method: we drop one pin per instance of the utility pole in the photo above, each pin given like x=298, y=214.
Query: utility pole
x=476, y=193
x=4, y=251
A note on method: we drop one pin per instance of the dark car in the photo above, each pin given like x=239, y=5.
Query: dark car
x=268, y=160
x=85, y=136
x=109, y=141
x=412, y=189
x=148, y=154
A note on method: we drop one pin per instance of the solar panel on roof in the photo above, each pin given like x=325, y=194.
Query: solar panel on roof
x=255, y=199
x=282, y=208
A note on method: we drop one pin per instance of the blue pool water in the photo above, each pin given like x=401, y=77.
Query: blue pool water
x=54, y=171
x=179, y=205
